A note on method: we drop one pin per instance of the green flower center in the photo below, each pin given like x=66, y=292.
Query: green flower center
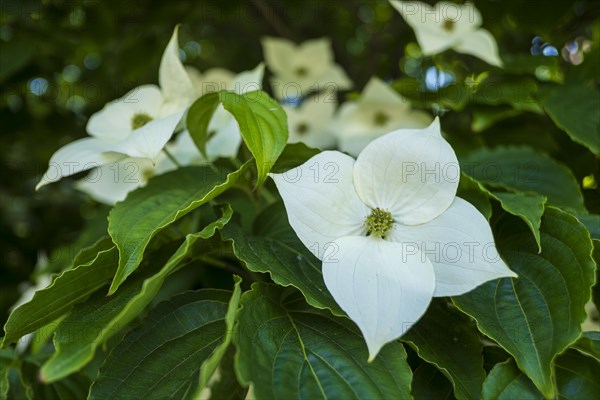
x=140, y=120
x=379, y=222
x=448, y=25
x=301, y=71
x=380, y=118
x=302, y=128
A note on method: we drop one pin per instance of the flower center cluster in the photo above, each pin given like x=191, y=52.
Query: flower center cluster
x=140, y=120
x=448, y=25
x=380, y=118
x=301, y=71
x=379, y=222
x=302, y=128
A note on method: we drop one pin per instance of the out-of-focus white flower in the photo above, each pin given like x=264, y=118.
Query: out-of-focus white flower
x=449, y=26
x=300, y=69
x=310, y=122
x=138, y=125
x=211, y=80
x=379, y=110
x=112, y=183
x=383, y=226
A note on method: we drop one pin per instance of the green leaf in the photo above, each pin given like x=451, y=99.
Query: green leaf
x=283, y=256
x=210, y=365
x=527, y=206
x=146, y=211
x=476, y=194
x=430, y=384
x=198, y=118
x=90, y=324
x=574, y=109
x=224, y=384
x=6, y=359
x=506, y=382
x=577, y=376
x=589, y=343
x=293, y=155
x=451, y=343
x=262, y=122
x=289, y=350
x=74, y=387
x=522, y=169
x=162, y=358
x=92, y=269
x=536, y=316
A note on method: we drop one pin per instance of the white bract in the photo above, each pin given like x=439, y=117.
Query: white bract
x=449, y=26
x=300, y=69
x=111, y=183
x=379, y=110
x=310, y=122
x=390, y=230
x=138, y=125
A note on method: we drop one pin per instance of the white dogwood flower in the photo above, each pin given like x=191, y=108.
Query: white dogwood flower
x=310, y=122
x=389, y=229
x=211, y=80
x=379, y=110
x=449, y=26
x=112, y=183
x=300, y=69
x=138, y=125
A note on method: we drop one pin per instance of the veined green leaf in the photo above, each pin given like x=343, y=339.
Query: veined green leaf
x=527, y=206
x=210, y=365
x=536, y=316
x=92, y=269
x=589, y=343
x=451, y=343
x=146, y=211
x=289, y=350
x=162, y=358
x=293, y=155
x=522, y=169
x=280, y=253
x=262, y=122
x=430, y=384
x=574, y=109
x=90, y=324
x=506, y=382
x=576, y=378
x=476, y=194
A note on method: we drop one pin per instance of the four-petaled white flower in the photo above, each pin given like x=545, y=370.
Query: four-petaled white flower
x=300, y=69
x=138, y=125
x=111, y=183
x=379, y=110
x=449, y=26
x=390, y=230
x=310, y=122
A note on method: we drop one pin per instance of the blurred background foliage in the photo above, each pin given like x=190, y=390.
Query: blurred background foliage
x=61, y=61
